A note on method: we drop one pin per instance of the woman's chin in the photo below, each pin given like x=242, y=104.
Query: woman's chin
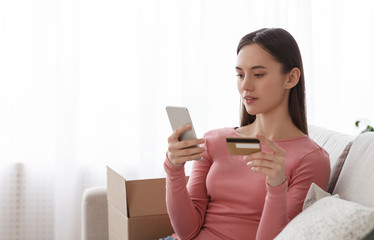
x=251, y=111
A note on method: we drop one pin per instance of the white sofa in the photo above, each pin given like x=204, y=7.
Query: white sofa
x=352, y=178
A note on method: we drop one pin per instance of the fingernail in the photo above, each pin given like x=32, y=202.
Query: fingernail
x=252, y=168
x=249, y=163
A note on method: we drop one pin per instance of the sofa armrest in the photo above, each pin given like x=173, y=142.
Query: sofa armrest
x=94, y=214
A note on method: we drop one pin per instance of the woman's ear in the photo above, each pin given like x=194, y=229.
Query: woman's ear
x=293, y=78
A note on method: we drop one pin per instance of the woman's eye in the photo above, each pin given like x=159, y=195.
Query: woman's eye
x=258, y=74
x=239, y=75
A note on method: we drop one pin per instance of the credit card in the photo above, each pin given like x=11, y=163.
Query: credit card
x=243, y=146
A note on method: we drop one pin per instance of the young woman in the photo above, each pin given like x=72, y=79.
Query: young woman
x=254, y=196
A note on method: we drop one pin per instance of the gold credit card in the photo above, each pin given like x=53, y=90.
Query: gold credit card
x=243, y=146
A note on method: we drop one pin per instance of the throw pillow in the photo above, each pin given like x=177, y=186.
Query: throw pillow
x=314, y=194
x=330, y=218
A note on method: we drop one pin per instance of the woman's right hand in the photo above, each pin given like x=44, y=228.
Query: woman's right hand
x=180, y=152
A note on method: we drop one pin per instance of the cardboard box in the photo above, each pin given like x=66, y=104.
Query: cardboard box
x=136, y=208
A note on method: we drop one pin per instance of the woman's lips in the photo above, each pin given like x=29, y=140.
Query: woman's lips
x=249, y=100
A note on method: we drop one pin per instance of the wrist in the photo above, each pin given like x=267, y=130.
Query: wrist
x=171, y=163
x=275, y=182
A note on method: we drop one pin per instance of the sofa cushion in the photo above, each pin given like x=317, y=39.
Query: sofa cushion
x=338, y=163
x=337, y=145
x=356, y=179
x=330, y=218
x=320, y=135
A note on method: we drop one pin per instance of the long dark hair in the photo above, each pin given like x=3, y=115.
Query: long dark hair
x=283, y=47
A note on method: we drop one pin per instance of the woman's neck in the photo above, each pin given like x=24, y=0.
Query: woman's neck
x=279, y=126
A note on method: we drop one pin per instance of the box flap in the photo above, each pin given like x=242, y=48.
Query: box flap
x=146, y=197
x=116, y=190
x=135, y=198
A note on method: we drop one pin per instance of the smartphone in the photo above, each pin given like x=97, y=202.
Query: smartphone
x=243, y=146
x=179, y=116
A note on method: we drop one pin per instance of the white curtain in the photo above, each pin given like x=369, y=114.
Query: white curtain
x=84, y=85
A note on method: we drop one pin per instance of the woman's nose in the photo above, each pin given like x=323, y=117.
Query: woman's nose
x=247, y=83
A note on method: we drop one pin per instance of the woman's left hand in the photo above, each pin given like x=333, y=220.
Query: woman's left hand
x=271, y=164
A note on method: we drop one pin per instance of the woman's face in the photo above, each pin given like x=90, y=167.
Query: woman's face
x=261, y=82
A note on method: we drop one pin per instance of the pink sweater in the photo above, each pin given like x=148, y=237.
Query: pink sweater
x=224, y=199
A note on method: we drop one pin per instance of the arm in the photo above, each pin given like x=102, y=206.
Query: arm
x=187, y=208
x=285, y=201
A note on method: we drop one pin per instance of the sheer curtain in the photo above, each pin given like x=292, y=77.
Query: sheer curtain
x=84, y=84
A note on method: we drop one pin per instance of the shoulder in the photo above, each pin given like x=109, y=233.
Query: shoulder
x=311, y=156
x=315, y=151
x=304, y=147
x=313, y=164
x=304, y=152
